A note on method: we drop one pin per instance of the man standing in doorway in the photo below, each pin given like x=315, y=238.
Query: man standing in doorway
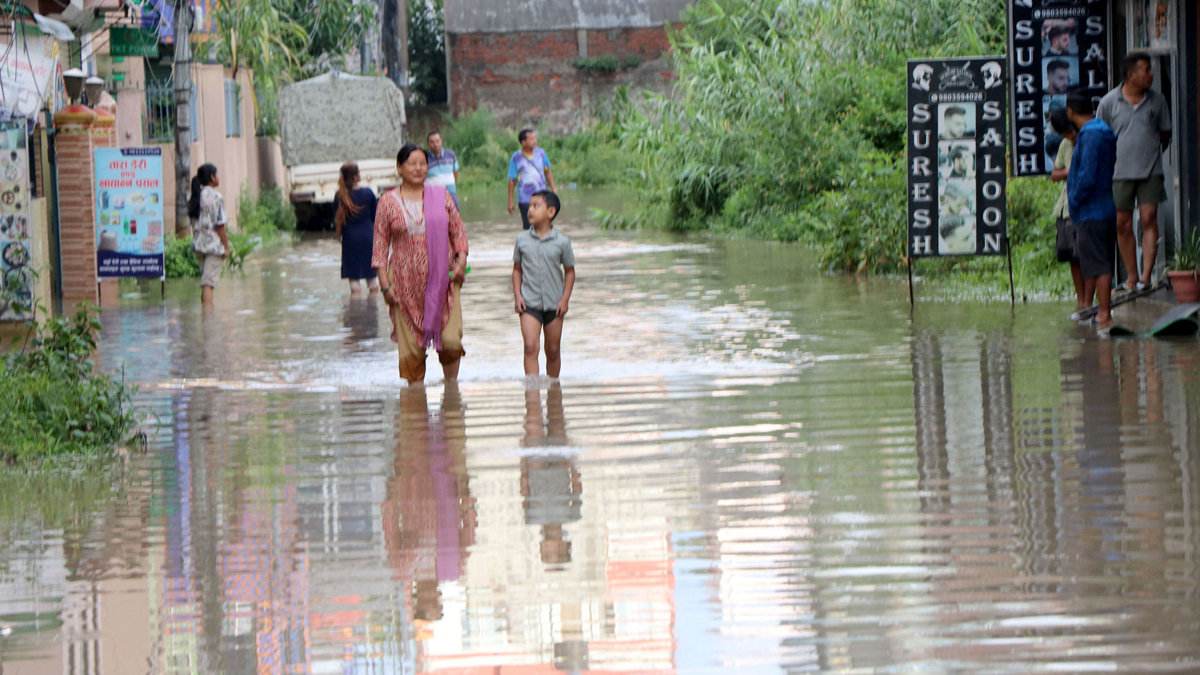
x=1141, y=119
x=443, y=166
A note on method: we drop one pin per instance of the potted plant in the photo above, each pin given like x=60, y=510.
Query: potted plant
x=1183, y=272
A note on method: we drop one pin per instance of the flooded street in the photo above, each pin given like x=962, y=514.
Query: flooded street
x=748, y=467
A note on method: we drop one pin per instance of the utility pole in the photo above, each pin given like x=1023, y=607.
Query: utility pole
x=183, y=115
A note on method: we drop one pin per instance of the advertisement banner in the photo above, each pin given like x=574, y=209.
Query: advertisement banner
x=1057, y=47
x=17, y=276
x=129, y=213
x=25, y=76
x=956, y=157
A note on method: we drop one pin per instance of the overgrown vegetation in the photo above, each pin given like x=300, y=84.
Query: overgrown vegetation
x=788, y=123
x=282, y=41
x=263, y=221
x=607, y=64
x=589, y=158
x=52, y=400
x=426, y=52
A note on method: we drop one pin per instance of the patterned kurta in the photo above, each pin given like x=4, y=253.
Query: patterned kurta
x=212, y=215
x=409, y=266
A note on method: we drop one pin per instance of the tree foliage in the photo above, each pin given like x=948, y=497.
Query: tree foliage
x=788, y=117
x=282, y=41
x=427, y=50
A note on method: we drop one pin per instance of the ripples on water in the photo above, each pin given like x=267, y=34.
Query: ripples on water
x=748, y=467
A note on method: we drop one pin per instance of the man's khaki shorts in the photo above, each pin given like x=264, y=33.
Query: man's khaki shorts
x=210, y=268
x=412, y=355
x=1148, y=191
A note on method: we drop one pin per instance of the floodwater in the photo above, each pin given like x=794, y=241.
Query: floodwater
x=748, y=467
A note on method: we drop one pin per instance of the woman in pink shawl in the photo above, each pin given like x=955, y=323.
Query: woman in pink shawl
x=420, y=255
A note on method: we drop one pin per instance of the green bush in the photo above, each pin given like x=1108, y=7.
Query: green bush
x=266, y=215
x=607, y=64
x=180, y=260
x=53, y=402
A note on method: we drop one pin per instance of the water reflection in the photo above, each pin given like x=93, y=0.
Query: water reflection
x=550, y=484
x=747, y=468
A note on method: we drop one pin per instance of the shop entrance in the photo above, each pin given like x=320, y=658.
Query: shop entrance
x=1152, y=27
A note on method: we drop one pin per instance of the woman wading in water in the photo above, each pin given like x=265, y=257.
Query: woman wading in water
x=420, y=256
x=206, y=209
x=355, y=225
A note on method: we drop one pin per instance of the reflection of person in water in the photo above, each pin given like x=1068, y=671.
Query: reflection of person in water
x=361, y=318
x=429, y=516
x=550, y=484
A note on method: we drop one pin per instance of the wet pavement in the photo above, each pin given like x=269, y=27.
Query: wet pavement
x=748, y=467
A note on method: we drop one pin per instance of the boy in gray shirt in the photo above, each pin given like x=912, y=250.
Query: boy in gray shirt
x=543, y=278
x=1141, y=118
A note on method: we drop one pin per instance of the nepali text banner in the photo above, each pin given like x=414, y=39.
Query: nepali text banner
x=956, y=157
x=129, y=212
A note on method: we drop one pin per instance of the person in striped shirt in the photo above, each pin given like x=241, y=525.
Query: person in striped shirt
x=443, y=166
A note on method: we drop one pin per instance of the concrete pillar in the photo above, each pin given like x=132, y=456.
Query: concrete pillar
x=79, y=131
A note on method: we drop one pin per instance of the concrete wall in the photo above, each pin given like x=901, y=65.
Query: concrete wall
x=236, y=158
x=517, y=57
x=506, y=16
x=530, y=77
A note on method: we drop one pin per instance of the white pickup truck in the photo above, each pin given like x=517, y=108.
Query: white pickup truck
x=332, y=119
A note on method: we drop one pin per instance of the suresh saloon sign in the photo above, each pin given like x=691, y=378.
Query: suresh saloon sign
x=956, y=157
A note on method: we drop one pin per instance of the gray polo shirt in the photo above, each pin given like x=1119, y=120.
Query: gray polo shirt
x=1139, y=148
x=542, y=262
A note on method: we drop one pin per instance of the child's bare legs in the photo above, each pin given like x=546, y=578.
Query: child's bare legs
x=373, y=284
x=531, y=333
x=355, y=288
x=553, y=343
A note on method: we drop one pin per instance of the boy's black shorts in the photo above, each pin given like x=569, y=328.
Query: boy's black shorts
x=1097, y=247
x=544, y=316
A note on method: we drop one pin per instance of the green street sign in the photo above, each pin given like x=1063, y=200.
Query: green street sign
x=132, y=42
x=118, y=77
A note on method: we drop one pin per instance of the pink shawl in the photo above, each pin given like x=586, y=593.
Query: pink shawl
x=437, y=241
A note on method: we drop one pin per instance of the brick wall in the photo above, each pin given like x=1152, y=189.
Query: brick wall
x=529, y=77
x=77, y=232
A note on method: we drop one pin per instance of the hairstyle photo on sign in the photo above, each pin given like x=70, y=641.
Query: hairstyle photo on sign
x=956, y=235
x=1051, y=138
x=956, y=120
x=1060, y=75
x=956, y=197
x=956, y=159
x=1058, y=37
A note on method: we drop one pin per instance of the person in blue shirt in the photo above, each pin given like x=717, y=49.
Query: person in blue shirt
x=528, y=170
x=1090, y=199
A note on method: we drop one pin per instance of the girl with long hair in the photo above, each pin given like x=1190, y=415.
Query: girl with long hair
x=355, y=225
x=206, y=210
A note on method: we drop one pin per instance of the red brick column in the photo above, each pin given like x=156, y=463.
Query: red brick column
x=77, y=135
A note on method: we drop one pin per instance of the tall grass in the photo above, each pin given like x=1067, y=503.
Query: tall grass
x=788, y=119
x=592, y=157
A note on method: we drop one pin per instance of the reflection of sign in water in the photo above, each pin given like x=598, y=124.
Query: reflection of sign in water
x=129, y=212
x=16, y=273
x=956, y=164
x=1057, y=47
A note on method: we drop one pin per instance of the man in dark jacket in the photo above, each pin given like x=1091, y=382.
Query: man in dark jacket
x=1090, y=198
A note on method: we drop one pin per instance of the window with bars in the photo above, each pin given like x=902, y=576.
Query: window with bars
x=160, y=113
x=233, y=109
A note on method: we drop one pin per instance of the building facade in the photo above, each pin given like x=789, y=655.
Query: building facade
x=548, y=63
